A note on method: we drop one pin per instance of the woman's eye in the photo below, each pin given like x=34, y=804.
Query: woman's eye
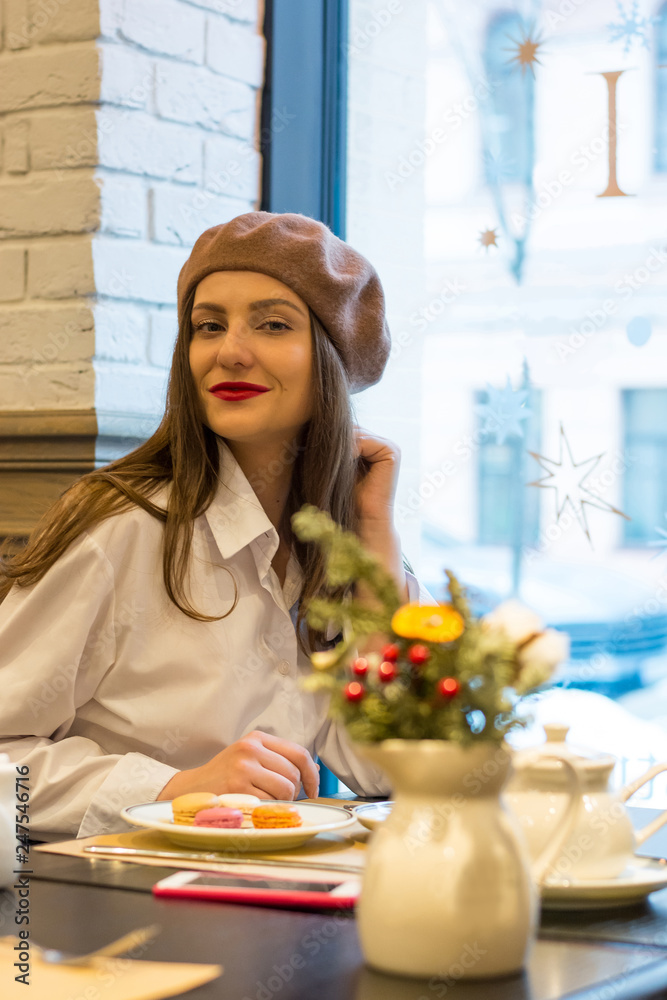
x=208, y=326
x=275, y=325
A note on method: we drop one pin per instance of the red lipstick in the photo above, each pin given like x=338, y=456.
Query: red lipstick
x=237, y=390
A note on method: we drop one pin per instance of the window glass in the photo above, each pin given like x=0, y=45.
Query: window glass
x=506, y=175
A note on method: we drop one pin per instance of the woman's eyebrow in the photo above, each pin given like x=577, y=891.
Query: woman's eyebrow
x=254, y=306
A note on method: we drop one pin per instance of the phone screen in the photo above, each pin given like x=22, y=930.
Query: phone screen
x=252, y=882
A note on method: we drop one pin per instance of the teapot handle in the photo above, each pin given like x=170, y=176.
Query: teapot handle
x=544, y=860
x=634, y=786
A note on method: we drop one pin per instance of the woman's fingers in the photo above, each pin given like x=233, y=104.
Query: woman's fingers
x=299, y=757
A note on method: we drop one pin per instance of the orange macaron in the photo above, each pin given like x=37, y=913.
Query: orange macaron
x=276, y=816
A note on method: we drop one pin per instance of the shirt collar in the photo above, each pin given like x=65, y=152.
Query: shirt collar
x=236, y=517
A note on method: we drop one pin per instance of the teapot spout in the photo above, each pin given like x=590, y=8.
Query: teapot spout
x=634, y=786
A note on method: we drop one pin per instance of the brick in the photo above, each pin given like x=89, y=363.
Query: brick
x=234, y=50
x=48, y=207
x=180, y=215
x=130, y=269
x=122, y=389
x=12, y=273
x=128, y=77
x=140, y=144
x=231, y=167
x=237, y=10
x=42, y=78
x=121, y=332
x=17, y=24
x=124, y=205
x=69, y=386
x=46, y=334
x=61, y=269
x=17, y=152
x=164, y=330
x=111, y=18
x=63, y=20
x=165, y=26
x=197, y=96
x=63, y=138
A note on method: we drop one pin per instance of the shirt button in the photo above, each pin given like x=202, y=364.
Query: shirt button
x=284, y=667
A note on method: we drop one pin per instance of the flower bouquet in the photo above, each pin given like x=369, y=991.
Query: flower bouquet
x=442, y=674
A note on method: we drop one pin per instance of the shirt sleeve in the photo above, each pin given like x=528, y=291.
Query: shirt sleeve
x=57, y=640
x=336, y=751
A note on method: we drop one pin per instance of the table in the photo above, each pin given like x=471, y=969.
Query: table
x=287, y=955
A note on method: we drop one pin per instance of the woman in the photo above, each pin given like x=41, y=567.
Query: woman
x=152, y=636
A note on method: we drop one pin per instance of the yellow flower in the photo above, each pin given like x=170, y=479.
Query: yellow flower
x=433, y=623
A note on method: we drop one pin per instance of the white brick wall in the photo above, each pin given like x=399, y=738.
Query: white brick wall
x=126, y=128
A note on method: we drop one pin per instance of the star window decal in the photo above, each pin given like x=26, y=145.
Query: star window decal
x=569, y=478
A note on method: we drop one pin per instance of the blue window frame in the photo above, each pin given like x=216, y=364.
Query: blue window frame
x=645, y=445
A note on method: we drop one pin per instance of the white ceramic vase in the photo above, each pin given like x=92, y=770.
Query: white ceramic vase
x=447, y=889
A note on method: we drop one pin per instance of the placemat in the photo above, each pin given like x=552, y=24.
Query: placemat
x=328, y=850
x=116, y=978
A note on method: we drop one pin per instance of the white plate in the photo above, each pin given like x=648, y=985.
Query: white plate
x=316, y=819
x=372, y=814
x=641, y=877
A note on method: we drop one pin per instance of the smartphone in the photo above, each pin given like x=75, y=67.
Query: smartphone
x=260, y=890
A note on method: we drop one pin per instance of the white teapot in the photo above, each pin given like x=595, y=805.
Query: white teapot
x=599, y=839
x=7, y=820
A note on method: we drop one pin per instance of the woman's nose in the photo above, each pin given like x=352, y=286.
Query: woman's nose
x=235, y=347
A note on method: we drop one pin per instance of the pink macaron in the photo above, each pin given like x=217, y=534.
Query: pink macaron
x=219, y=818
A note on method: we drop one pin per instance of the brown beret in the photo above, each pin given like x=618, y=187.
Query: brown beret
x=339, y=285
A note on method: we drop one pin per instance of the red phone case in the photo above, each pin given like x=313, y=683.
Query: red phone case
x=282, y=898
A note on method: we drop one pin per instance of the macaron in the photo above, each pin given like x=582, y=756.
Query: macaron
x=185, y=807
x=276, y=816
x=246, y=803
x=219, y=818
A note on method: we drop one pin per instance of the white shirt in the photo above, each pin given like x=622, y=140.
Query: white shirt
x=108, y=689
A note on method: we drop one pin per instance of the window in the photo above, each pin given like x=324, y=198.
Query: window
x=507, y=513
x=661, y=90
x=645, y=419
x=509, y=154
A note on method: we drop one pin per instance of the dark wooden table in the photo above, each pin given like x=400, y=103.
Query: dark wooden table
x=268, y=954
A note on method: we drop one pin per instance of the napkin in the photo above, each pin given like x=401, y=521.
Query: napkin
x=106, y=978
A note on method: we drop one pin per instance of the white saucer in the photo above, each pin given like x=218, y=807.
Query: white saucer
x=316, y=819
x=372, y=814
x=641, y=877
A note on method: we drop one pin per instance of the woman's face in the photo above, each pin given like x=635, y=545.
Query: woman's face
x=251, y=356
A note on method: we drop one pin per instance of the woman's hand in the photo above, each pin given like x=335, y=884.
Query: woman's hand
x=374, y=498
x=376, y=485
x=258, y=764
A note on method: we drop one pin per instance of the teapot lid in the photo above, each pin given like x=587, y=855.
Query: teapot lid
x=546, y=756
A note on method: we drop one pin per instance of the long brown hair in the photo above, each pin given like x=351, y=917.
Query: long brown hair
x=183, y=452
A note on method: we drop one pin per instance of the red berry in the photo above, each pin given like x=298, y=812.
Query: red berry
x=360, y=666
x=387, y=671
x=418, y=655
x=354, y=691
x=448, y=687
x=391, y=652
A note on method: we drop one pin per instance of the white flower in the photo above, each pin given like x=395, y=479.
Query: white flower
x=550, y=648
x=514, y=619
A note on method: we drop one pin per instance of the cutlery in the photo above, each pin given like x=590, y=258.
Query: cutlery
x=220, y=858
x=125, y=943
